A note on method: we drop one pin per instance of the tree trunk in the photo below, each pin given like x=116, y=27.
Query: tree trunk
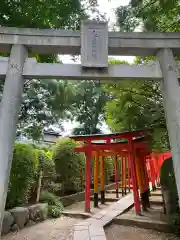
x=39, y=186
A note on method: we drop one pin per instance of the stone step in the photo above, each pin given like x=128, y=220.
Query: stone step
x=142, y=222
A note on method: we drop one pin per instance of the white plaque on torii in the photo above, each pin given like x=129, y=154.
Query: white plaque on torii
x=94, y=44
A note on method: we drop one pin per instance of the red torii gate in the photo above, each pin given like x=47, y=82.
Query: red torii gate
x=154, y=162
x=128, y=148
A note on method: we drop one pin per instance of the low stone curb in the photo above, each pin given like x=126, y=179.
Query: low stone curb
x=142, y=222
x=20, y=217
x=107, y=199
x=77, y=197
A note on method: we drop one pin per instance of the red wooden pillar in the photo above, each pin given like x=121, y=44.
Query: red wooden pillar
x=122, y=176
x=157, y=170
x=129, y=174
x=125, y=174
x=87, y=181
x=148, y=177
x=116, y=176
x=146, y=174
x=134, y=178
x=152, y=171
x=145, y=180
x=81, y=179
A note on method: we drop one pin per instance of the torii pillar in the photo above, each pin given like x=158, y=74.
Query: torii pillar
x=10, y=107
x=171, y=98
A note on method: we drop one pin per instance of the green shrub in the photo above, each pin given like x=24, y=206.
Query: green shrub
x=55, y=207
x=68, y=165
x=51, y=199
x=22, y=175
x=46, y=163
x=52, y=186
x=54, y=212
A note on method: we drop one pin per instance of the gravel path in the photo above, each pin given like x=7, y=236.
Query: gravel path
x=48, y=230
x=117, y=232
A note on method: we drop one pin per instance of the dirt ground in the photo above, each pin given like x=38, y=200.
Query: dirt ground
x=48, y=230
x=117, y=232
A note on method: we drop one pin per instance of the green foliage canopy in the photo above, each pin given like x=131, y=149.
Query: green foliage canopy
x=89, y=102
x=154, y=16
x=136, y=105
x=44, y=102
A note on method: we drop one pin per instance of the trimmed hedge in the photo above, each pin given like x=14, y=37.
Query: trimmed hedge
x=68, y=165
x=21, y=176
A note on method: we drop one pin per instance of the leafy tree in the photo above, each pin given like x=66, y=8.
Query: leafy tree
x=42, y=13
x=136, y=105
x=89, y=106
x=150, y=15
x=44, y=102
x=139, y=104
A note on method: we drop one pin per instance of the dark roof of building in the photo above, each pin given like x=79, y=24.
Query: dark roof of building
x=51, y=132
x=141, y=132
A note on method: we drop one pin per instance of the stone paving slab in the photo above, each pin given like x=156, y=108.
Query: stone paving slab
x=93, y=228
x=77, y=214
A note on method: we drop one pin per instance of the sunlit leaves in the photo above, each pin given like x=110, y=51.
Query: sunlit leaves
x=89, y=105
x=151, y=15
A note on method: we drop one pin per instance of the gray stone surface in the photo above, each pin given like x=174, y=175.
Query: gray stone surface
x=38, y=212
x=74, y=71
x=94, y=44
x=8, y=221
x=10, y=107
x=171, y=99
x=21, y=215
x=30, y=223
x=68, y=42
x=15, y=228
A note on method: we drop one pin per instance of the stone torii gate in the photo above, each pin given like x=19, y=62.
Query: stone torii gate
x=94, y=43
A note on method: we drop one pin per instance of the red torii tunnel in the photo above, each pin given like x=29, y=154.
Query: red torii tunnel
x=132, y=148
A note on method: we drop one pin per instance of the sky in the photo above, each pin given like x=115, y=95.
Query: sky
x=108, y=7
